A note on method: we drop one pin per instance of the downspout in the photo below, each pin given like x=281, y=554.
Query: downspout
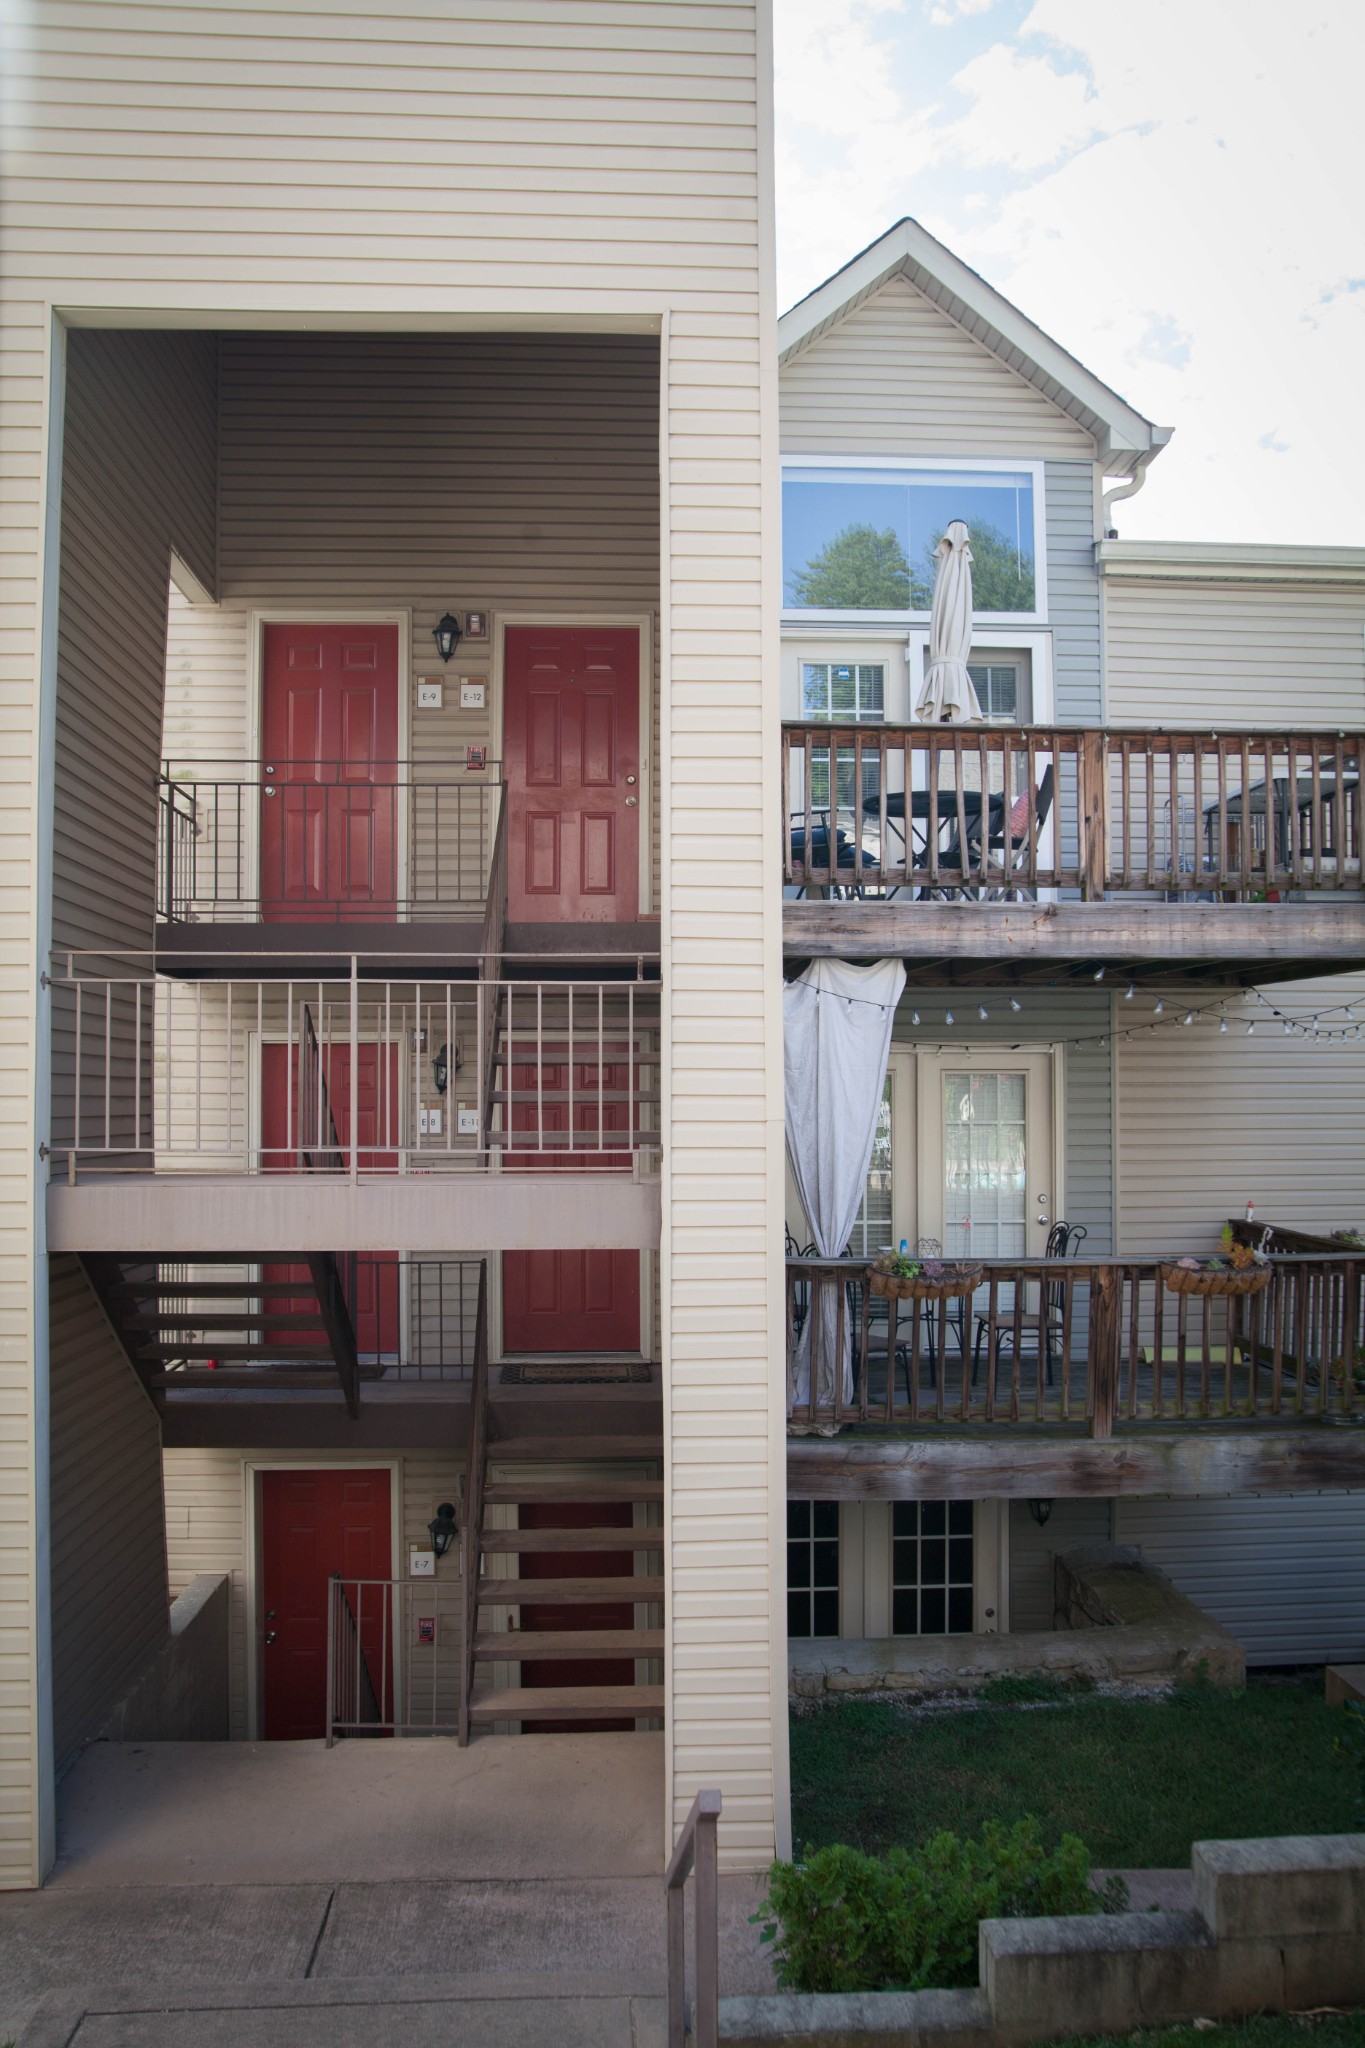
x=1128, y=490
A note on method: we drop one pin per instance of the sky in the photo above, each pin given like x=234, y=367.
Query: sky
x=1174, y=190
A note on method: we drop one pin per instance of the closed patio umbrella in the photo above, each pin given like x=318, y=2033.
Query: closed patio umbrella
x=948, y=692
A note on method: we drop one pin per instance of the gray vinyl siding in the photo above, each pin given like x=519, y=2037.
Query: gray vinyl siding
x=1087, y=1071
x=1033, y=1552
x=898, y=376
x=138, y=479
x=1284, y=1572
x=109, y=1589
x=1209, y=1120
x=1073, y=593
x=1186, y=653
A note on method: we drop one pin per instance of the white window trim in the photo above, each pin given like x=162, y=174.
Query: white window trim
x=1036, y=470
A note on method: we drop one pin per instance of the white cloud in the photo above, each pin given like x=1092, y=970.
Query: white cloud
x=1025, y=113
x=943, y=13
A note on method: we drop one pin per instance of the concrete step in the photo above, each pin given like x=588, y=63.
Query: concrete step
x=568, y=1703
x=514, y=1645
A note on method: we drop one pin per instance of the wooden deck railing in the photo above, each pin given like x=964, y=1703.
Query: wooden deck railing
x=1076, y=1342
x=984, y=808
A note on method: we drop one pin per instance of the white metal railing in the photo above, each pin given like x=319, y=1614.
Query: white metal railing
x=393, y=1655
x=362, y=1075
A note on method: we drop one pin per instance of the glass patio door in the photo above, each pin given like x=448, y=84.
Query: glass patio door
x=987, y=1155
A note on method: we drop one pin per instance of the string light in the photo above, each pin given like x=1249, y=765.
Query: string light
x=1189, y=1017
x=982, y=1012
x=1160, y=1006
x=947, y=1016
x=1015, y=1005
x=1099, y=974
x=1129, y=993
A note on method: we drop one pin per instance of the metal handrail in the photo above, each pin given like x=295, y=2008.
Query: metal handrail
x=471, y=1528
x=696, y=1847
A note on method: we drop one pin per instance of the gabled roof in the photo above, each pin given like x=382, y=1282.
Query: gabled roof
x=1125, y=440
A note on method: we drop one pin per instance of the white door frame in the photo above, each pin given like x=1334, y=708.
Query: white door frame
x=253, y=1560
x=643, y=622
x=1034, y=1059
x=328, y=615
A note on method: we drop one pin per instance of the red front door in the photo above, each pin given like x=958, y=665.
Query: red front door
x=577, y=1564
x=374, y=1306
x=329, y=740
x=571, y=748
x=314, y=1523
x=556, y=1300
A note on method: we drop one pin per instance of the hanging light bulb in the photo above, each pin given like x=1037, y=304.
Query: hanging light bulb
x=1099, y=974
x=982, y=1012
x=947, y=1016
x=1189, y=1016
x=1129, y=993
x=1160, y=1006
x=1014, y=1005
x=1222, y=1026
x=1251, y=1027
x=914, y=1016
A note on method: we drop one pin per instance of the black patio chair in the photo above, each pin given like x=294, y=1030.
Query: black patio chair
x=1041, y=1327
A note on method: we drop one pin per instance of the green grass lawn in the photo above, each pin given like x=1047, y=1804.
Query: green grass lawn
x=1270, y=2030
x=1138, y=1781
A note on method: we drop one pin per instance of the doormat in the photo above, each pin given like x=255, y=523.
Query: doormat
x=555, y=1373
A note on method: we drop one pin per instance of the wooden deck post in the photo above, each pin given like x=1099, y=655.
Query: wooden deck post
x=1106, y=1302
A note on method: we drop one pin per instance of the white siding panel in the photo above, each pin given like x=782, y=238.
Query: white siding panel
x=109, y=1599
x=897, y=376
x=1284, y=1572
x=1234, y=654
x=1208, y=1121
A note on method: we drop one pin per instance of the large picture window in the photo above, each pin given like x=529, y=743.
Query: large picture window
x=861, y=537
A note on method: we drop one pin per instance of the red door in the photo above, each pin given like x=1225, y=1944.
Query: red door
x=314, y=1523
x=374, y=1306
x=577, y=1564
x=556, y=1300
x=571, y=747
x=329, y=737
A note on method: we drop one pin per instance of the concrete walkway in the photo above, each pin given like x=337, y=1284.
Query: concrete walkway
x=382, y=1892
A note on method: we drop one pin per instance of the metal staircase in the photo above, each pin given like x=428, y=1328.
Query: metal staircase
x=185, y=1324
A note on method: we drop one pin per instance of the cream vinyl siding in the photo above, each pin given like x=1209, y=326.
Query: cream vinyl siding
x=1193, y=655
x=109, y=1599
x=1282, y=1571
x=206, y=1494
x=1208, y=1121
x=897, y=376
x=139, y=478
x=591, y=164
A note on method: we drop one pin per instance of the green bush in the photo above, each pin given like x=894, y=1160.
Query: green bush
x=843, y=1921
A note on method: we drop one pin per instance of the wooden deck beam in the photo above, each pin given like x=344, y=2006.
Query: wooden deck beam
x=990, y=944
x=1030, y=1462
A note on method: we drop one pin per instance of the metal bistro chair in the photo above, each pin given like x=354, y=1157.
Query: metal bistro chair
x=800, y=1286
x=1007, y=841
x=1042, y=1325
x=810, y=847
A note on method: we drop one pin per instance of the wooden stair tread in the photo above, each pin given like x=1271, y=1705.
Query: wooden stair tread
x=538, y=1492
x=574, y=1449
x=294, y=1354
x=568, y=1703
x=514, y=1645
x=283, y=1380
x=568, y=1592
x=210, y=1290
x=223, y=1319
x=571, y=1539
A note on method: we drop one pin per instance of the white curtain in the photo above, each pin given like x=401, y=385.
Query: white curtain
x=837, y=1036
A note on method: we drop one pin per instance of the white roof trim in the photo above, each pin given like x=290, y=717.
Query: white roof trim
x=1123, y=437
x=1192, y=561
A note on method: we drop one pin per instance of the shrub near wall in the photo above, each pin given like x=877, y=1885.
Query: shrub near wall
x=842, y=1921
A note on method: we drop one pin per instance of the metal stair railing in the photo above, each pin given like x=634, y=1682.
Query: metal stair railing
x=696, y=1848
x=471, y=1531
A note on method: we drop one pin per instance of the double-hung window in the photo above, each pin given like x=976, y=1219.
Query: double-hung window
x=843, y=693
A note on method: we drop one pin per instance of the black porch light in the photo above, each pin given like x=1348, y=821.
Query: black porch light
x=446, y=634
x=443, y=1531
x=1040, y=1510
x=441, y=1066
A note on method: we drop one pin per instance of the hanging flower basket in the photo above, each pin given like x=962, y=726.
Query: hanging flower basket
x=1214, y=1276
x=900, y=1279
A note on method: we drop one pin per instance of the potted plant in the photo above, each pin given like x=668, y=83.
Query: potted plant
x=1235, y=1268
x=904, y=1276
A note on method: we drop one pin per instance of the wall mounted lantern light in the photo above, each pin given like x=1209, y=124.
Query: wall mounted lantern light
x=446, y=635
x=443, y=1530
x=442, y=1066
x=1040, y=1510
